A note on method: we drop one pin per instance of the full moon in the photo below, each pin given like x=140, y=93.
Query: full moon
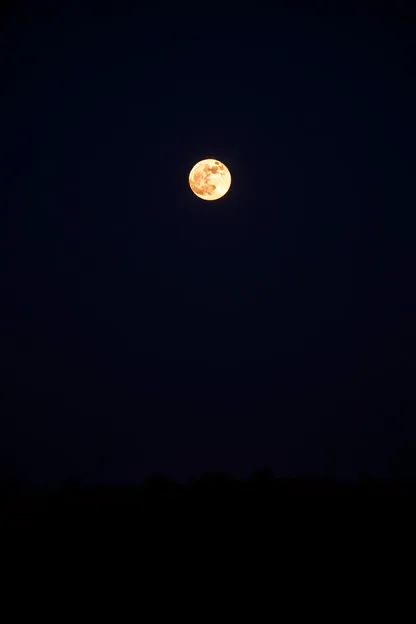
x=209, y=179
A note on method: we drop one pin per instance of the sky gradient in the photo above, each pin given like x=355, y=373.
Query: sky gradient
x=147, y=331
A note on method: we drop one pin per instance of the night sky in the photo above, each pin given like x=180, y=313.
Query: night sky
x=147, y=331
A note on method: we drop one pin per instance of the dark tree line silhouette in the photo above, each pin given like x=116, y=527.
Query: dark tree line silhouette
x=219, y=491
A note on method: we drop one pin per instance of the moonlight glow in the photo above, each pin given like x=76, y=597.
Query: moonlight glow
x=209, y=179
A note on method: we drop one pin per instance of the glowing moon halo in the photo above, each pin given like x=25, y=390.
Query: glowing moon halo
x=209, y=179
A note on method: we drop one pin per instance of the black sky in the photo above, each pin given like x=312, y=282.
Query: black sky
x=145, y=330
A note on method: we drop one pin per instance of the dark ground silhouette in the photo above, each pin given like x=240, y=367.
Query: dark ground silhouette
x=219, y=492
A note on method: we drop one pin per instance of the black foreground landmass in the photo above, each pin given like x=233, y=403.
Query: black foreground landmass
x=212, y=491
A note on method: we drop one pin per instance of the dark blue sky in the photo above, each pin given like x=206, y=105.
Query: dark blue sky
x=145, y=330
